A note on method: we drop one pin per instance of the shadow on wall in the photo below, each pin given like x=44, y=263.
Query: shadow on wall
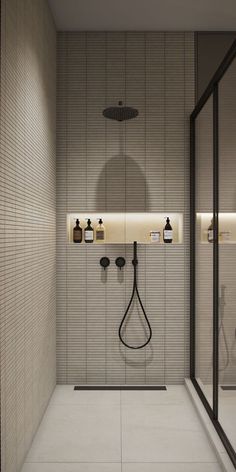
x=122, y=186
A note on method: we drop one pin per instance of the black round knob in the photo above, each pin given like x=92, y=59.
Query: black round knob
x=104, y=262
x=120, y=262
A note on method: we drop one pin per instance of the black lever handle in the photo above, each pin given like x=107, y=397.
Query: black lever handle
x=104, y=262
x=120, y=262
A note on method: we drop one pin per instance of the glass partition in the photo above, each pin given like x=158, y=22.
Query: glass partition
x=204, y=248
x=227, y=253
x=213, y=250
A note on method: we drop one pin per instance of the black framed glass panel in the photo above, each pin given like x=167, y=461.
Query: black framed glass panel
x=227, y=253
x=213, y=250
x=204, y=249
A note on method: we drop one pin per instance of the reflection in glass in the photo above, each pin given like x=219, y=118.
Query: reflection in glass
x=204, y=249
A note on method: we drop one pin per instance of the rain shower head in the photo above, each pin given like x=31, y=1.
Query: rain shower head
x=120, y=112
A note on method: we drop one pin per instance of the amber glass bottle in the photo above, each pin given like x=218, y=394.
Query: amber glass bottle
x=88, y=232
x=77, y=233
x=168, y=232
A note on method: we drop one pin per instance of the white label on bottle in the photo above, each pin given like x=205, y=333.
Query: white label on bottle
x=168, y=233
x=210, y=235
x=88, y=235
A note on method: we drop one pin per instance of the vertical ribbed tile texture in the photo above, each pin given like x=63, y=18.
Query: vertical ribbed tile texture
x=139, y=165
x=27, y=219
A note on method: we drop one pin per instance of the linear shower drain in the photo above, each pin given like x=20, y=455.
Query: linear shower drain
x=120, y=387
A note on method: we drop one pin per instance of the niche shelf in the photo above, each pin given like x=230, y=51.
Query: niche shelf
x=227, y=227
x=124, y=228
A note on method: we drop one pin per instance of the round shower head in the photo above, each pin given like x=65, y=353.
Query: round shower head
x=120, y=113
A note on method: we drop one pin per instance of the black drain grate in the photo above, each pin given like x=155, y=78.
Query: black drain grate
x=120, y=387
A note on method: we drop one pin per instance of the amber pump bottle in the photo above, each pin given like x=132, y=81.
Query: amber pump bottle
x=168, y=232
x=100, y=231
x=88, y=232
x=77, y=233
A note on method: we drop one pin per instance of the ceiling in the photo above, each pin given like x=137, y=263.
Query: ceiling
x=144, y=15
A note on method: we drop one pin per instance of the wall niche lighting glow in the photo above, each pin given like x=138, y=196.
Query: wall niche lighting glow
x=122, y=228
x=227, y=227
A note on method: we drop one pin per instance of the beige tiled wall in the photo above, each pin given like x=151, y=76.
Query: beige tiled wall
x=27, y=219
x=141, y=165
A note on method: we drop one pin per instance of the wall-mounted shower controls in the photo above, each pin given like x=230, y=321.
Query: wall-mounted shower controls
x=120, y=262
x=104, y=262
x=168, y=232
x=77, y=233
x=88, y=232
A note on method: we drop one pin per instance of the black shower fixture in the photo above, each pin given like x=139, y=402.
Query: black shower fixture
x=104, y=262
x=120, y=262
x=120, y=112
x=135, y=292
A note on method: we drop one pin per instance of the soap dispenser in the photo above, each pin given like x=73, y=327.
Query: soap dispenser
x=88, y=232
x=77, y=233
x=100, y=231
x=168, y=232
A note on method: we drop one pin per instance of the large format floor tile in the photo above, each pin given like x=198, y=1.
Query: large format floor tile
x=175, y=394
x=66, y=395
x=121, y=431
x=71, y=433
x=168, y=467
x=71, y=467
x=160, y=433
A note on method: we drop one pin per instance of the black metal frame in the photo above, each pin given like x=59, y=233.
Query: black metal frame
x=211, y=91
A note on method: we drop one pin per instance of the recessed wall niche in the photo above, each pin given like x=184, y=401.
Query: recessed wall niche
x=124, y=228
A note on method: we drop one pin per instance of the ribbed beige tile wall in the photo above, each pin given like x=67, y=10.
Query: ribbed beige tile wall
x=142, y=165
x=27, y=218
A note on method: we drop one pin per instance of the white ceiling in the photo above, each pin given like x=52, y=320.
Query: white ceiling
x=144, y=15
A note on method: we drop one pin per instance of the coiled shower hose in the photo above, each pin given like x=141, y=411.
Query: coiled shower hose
x=135, y=290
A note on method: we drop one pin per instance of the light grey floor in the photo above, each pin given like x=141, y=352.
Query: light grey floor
x=121, y=431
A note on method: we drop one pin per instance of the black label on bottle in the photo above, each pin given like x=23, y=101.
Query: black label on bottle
x=100, y=234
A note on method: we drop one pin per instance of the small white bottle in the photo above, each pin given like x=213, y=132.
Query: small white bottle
x=100, y=232
x=155, y=236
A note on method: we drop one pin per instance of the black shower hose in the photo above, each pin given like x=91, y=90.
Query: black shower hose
x=135, y=290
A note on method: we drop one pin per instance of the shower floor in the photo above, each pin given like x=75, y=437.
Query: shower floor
x=227, y=408
x=121, y=431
